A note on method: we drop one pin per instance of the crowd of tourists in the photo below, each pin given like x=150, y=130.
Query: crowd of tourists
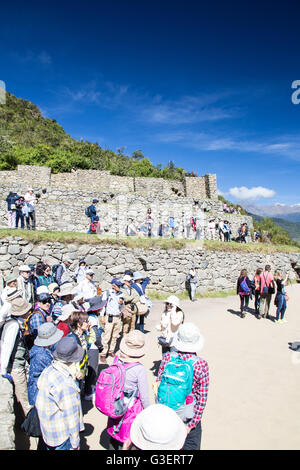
x=191, y=227
x=58, y=330
x=261, y=289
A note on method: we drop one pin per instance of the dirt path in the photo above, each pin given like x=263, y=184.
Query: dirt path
x=253, y=401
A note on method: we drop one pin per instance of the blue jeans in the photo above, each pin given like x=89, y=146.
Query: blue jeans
x=140, y=322
x=64, y=446
x=21, y=217
x=281, y=306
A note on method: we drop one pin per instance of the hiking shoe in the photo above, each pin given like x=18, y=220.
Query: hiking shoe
x=243, y=315
x=277, y=321
x=258, y=317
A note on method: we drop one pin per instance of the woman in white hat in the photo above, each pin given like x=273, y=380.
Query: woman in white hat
x=172, y=317
x=132, y=350
x=158, y=428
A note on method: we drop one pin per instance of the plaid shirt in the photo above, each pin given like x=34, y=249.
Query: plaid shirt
x=200, y=383
x=58, y=406
x=37, y=318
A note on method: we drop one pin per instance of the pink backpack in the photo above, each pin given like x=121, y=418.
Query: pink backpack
x=109, y=395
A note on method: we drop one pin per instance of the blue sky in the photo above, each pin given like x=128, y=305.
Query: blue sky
x=206, y=86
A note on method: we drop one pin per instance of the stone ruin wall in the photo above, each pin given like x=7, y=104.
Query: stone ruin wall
x=65, y=196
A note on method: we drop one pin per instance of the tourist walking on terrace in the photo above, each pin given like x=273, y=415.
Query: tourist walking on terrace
x=267, y=288
x=29, y=209
x=244, y=290
x=58, y=400
x=281, y=296
x=20, y=203
x=11, y=209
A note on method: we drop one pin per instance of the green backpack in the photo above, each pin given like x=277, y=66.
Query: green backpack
x=176, y=382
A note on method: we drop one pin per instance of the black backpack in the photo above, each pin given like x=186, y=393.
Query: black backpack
x=54, y=271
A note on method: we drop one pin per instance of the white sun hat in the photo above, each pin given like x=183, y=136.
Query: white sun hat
x=174, y=301
x=188, y=338
x=158, y=427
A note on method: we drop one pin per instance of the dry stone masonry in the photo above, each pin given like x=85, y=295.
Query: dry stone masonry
x=218, y=270
x=65, y=196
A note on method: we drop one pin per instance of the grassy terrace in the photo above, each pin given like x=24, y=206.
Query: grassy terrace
x=146, y=243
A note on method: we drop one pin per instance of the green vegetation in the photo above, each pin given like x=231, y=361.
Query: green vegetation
x=27, y=138
x=276, y=233
x=183, y=295
x=292, y=228
x=40, y=236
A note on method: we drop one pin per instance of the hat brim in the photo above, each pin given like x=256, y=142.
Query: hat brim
x=140, y=442
x=188, y=347
x=75, y=357
x=20, y=314
x=132, y=353
x=49, y=341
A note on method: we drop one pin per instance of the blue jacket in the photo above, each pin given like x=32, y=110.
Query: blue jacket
x=93, y=212
x=141, y=288
x=11, y=199
x=40, y=358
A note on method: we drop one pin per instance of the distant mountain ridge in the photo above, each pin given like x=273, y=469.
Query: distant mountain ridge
x=292, y=228
x=287, y=212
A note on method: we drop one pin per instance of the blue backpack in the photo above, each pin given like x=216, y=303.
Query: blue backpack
x=244, y=288
x=176, y=382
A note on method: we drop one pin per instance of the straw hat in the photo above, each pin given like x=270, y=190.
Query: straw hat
x=52, y=287
x=66, y=289
x=188, y=338
x=132, y=346
x=20, y=307
x=48, y=334
x=13, y=293
x=158, y=427
x=10, y=278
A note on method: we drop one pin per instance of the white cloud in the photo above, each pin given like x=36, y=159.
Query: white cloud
x=251, y=193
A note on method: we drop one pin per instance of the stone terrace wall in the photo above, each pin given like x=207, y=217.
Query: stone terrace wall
x=62, y=208
x=202, y=187
x=167, y=268
x=65, y=196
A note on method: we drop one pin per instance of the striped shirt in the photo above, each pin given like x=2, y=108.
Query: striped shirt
x=58, y=406
x=200, y=383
